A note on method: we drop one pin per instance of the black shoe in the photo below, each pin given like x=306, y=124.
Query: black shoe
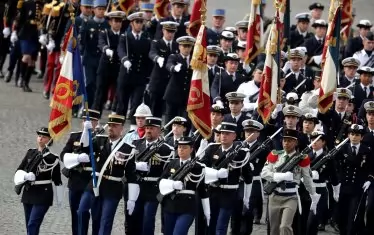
x=46, y=95
x=40, y=76
x=34, y=72
x=26, y=89
x=1, y=74
x=8, y=77
x=321, y=227
x=257, y=221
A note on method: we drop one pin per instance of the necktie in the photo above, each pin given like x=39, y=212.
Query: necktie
x=314, y=155
x=302, y=71
x=354, y=148
x=178, y=21
x=137, y=37
x=341, y=116
x=181, y=163
x=169, y=46
x=185, y=62
x=320, y=42
x=365, y=90
x=234, y=119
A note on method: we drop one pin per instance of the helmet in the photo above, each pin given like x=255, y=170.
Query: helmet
x=143, y=111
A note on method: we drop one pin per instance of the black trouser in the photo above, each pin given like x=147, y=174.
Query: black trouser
x=156, y=104
x=348, y=206
x=103, y=82
x=200, y=222
x=125, y=91
x=370, y=212
x=256, y=200
x=322, y=209
x=43, y=59
x=15, y=57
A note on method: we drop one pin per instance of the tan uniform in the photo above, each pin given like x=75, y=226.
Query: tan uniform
x=283, y=202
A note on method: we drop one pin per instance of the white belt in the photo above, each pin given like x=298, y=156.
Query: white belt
x=319, y=185
x=287, y=190
x=40, y=182
x=87, y=168
x=186, y=192
x=227, y=186
x=112, y=178
x=152, y=179
x=257, y=177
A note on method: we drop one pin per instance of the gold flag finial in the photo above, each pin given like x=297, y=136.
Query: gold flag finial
x=203, y=11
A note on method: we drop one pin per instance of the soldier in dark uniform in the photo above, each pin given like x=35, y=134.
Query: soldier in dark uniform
x=350, y=66
x=109, y=64
x=25, y=28
x=244, y=68
x=336, y=121
x=142, y=221
x=224, y=179
x=178, y=128
x=180, y=194
x=368, y=140
x=236, y=115
x=85, y=7
x=294, y=76
x=212, y=58
x=327, y=173
x=55, y=34
x=176, y=15
x=225, y=42
x=355, y=44
x=160, y=51
x=356, y=174
x=242, y=223
x=227, y=81
x=363, y=89
x=4, y=36
x=300, y=33
x=133, y=49
x=79, y=172
x=213, y=34
x=37, y=194
x=314, y=45
x=114, y=168
x=178, y=88
x=89, y=41
x=316, y=11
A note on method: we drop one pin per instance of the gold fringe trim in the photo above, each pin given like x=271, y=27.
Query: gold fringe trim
x=60, y=107
x=205, y=130
x=58, y=121
x=322, y=98
x=78, y=100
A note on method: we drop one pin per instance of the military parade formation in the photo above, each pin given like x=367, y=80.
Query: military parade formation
x=298, y=167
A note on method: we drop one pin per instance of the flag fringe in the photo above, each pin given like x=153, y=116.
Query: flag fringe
x=191, y=25
x=60, y=107
x=65, y=118
x=321, y=99
x=197, y=64
x=78, y=100
x=205, y=130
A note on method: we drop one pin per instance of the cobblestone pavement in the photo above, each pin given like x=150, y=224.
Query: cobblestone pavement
x=22, y=113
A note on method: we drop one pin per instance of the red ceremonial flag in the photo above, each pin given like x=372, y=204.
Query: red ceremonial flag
x=254, y=35
x=330, y=59
x=268, y=94
x=195, y=19
x=347, y=20
x=161, y=8
x=198, y=106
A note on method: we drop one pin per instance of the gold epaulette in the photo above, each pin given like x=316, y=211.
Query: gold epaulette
x=57, y=10
x=19, y=4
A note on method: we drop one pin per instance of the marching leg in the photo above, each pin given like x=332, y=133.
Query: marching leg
x=108, y=207
x=84, y=214
x=36, y=219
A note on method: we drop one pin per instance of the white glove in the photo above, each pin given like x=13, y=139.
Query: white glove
x=6, y=32
x=247, y=194
x=222, y=173
x=178, y=185
x=336, y=192
x=317, y=59
x=130, y=206
x=13, y=37
x=61, y=59
x=315, y=175
x=51, y=45
x=127, y=64
x=87, y=125
x=83, y=157
x=142, y=166
x=315, y=198
x=59, y=195
x=206, y=208
x=247, y=68
x=43, y=39
x=277, y=109
x=109, y=53
x=279, y=177
x=366, y=185
x=178, y=67
x=160, y=61
x=30, y=176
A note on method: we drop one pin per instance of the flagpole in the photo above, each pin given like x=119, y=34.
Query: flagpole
x=90, y=145
x=277, y=7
